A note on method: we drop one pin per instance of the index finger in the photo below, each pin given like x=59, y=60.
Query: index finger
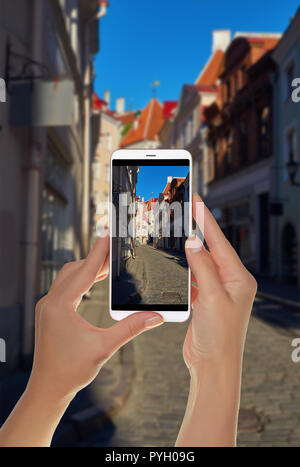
x=84, y=277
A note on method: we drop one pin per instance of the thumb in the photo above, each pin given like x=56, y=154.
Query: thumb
x=130, y=327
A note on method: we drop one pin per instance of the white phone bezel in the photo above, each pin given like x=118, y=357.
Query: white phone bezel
x=168, y=154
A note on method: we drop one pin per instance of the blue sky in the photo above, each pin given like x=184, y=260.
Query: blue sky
x=170, y=41
x=154, y=179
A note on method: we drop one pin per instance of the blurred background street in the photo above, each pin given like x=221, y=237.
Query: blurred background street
x=82, y=78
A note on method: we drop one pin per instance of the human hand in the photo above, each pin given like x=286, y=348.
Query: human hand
x=69, y=352
x=222, y=295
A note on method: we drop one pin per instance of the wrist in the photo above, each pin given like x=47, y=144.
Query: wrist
x=217, y=378
x=220, y=367
x=47, y=395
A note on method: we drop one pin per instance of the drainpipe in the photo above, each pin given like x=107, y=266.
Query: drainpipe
x=87, y=129
x=33, y=201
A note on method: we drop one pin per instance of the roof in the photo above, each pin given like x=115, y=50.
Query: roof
x=167, y=188
x=98, y=103
x=126, y=118
x=210, y=72
x=147, y=126
x=149, y=203
x=168, y=108
x=288, y=37
x=180, y=180
x=255, y=44
x=268, y=42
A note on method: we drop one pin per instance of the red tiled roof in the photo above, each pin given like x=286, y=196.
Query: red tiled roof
x=169, y=107
x=148, y=125
x=167, y=189
x=210, y=73
x=268, y=42
x=97, y=102
x=126, y=118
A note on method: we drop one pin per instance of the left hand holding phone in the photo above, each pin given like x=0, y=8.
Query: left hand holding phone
x=69, y=352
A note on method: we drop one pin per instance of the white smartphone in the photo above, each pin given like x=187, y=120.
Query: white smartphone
x=150, y=219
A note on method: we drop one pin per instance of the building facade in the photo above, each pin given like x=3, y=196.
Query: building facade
x=108, y=141
x=186, y=127
x=46, y=123
x=124, y=201
x=145, y=129
x=240, y=134
x=286, y=196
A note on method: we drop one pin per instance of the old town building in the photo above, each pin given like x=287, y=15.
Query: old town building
x=286, y=191
x=108, y=141
x=186, y=127
x=124, y=226
x=241, y=153
x=144, y=131
x=46, y=134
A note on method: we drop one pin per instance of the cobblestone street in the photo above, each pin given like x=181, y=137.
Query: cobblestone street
x=170, y=285
x=142, y=281
x=271, y=384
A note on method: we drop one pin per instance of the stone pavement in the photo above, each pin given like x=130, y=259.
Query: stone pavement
x=154, y=411
x=271, y=384
x=166, y=276
x=154, y=276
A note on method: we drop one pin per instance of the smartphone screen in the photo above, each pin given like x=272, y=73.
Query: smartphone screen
x=150, y=224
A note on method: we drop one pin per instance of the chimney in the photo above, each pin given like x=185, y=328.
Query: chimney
x=221, y=39
x=107, y=98
x=120, y=105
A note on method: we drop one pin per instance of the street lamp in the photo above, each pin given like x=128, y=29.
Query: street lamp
x=292, y=168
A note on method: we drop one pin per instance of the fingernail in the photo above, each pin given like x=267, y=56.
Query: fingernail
x=102, y=276
x=194, y=244
x=154, y=321
x=105, y=232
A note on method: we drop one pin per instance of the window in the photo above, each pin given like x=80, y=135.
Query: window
x=288, y=78
x=264, y=146
x=107, y=173
x=106, y=201
x=97, y=169
x=228, y=91
x=53, y=254
x=96, y=196
x=243, y=142
x=215, y=147
x=235, y=84
x=290, y=148
x=291, y=145
x=228, y=151
x=183, y=135
x=108, y=142
x=243, y=75
x=191, y=128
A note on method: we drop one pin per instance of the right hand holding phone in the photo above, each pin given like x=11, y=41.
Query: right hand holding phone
x=223, y=292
